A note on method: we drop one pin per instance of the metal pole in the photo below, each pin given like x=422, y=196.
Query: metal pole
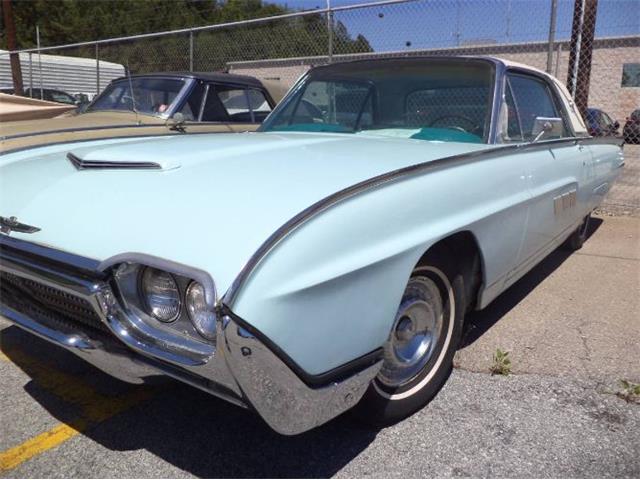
x=31, y=74
x=552, y=33
x=191, y=50
x=457, y=34
x=14, y=58
x=583, y=78
x=97, y=69
x=330, y=30
x=558, y=53
x=508, y=20
x=576, y=43
x=39, y=60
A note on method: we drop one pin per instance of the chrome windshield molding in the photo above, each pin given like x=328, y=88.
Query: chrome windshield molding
x=172, y=267
x=281, y=398
x=496, y=102
x=181, y=97
x=376, y=182
x=81, y=164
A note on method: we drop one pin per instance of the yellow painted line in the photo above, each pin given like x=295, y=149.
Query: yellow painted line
x=95, y=408
x=94, y=415
x=13, y=457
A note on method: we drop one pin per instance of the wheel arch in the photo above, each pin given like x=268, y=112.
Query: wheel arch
x=464, y=249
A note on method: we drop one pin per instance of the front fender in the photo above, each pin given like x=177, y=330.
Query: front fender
x=327, y=292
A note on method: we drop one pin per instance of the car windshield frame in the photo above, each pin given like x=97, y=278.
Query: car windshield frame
x=174, y=105
x=332, y=74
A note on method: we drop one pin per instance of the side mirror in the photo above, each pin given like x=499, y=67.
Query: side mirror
x=176, y=122
x=547, y=127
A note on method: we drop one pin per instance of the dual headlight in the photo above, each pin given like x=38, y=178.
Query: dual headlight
x=168, y=298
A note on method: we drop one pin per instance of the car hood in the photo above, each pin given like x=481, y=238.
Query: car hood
x=82, y=120
x=215, y=200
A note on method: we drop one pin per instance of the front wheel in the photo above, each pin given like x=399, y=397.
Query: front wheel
x=418, y=354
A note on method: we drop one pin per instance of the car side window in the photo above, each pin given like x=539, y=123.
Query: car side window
x=606, y=120
x=61, y=97
x=514, y=131
x=213, y=109
x=259, y=104
x=236, y=102
x=533, y=99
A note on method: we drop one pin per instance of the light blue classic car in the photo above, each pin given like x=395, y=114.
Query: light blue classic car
x=324, y=262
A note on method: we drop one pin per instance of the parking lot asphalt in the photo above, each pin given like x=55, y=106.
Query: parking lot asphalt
x=572, y=330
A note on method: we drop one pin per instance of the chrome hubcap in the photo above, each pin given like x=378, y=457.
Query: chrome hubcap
x=415, y=334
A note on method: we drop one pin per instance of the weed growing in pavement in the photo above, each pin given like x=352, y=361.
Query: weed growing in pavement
x=629, y=391
x=501, y=363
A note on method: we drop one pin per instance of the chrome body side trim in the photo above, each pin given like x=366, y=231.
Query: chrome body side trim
x=387, y=178
x=243, y=370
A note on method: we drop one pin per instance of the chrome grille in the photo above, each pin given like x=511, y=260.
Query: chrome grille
x=35, y=299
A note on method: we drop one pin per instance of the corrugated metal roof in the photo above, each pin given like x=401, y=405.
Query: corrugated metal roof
x=70, y=74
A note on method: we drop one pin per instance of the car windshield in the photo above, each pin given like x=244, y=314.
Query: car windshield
x=153, y=96
x=419, y=99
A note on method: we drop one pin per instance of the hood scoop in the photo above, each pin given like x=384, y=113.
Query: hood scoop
x=129, y=154
x=81, y=164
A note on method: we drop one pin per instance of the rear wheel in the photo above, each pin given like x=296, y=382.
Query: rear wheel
x=578, y=237
x=419, y=352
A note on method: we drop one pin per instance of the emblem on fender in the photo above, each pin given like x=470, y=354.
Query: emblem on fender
x=11, y=224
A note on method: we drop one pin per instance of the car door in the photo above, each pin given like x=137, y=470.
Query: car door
x=608, y=125
x=217, y=107
x=555, y=173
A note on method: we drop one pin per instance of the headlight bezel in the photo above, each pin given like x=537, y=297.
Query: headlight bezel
x=127, y=275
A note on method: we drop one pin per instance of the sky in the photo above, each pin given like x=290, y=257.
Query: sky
x=446, y=23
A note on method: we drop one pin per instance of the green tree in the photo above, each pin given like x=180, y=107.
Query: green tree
x=71, y=21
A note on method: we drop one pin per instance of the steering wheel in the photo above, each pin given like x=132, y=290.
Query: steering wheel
x=312, y=110
x=456, y=124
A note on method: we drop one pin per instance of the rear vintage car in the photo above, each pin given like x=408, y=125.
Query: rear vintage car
x=325, y=261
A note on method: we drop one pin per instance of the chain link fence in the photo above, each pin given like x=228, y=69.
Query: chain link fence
x=591, y=45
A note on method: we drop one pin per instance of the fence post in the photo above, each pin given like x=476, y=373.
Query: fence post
x=191, y=50
x=14, y=58
x=97, y=69
x=576, y=42
x=39, y=61
x=330, y=30
x=31, y=74
x=558, y=54
x=552, y=34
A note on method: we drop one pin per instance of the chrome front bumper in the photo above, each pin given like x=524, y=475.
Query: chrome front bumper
x=241, y=368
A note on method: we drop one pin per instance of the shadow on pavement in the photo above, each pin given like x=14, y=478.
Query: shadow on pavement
x=190, y=429
x=208, y=437
x=479, y=322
